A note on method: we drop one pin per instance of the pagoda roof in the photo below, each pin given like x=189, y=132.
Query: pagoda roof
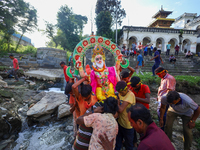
x=161, y=12
x=166, y=19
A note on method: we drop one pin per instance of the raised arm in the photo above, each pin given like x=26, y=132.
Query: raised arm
x=75, y=89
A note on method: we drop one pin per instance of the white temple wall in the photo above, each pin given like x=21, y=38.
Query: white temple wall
x=164, y=38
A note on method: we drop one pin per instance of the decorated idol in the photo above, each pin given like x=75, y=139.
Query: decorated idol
x=103, y=79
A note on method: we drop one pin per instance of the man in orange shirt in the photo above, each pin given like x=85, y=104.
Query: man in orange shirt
x=141, y=91
x=85, y=100
x=15, y=67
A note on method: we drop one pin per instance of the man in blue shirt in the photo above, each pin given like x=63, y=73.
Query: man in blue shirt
x=140, y=63
x=133, y=46
x=145, y=50
x=168, y=48
x=157, y=59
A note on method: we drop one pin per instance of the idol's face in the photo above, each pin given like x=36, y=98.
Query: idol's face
x=99, y=61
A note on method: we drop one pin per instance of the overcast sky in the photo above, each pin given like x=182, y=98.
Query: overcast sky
x=138, y=12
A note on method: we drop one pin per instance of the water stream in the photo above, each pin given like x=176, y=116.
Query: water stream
x=50, y=135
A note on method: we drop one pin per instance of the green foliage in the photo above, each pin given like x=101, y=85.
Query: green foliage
x=28, y=21
x=103, y=22
x=71, y=26
x=192, y=80
x=13, y=13
x=197, y=125
x=110, y=5
x=147, y=78
x=50, y=32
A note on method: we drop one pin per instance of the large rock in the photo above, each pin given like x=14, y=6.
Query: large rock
x=47, y=104
x=39, y=96
x=3, y=83
x=63, y=110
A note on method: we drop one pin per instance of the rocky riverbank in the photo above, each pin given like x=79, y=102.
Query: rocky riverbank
x=31, y=118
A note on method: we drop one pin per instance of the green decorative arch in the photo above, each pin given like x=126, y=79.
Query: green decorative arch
x=89, y=42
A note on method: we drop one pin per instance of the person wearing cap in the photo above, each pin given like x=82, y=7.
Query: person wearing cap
x=126, y=131
x=168, y=83
x=183, y=106
x=141, y=91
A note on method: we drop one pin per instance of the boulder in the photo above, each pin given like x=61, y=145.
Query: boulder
x=47, y=104
x=39, y=96
x=63, y=110
x=3, y=83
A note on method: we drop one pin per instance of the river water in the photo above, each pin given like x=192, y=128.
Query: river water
x=50, y=135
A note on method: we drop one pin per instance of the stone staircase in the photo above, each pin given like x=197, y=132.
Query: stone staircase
x=183, y=66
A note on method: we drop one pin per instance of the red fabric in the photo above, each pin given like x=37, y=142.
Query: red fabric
x=65, y=73
x=141, y=93
x=155, y=139
x=15, y=61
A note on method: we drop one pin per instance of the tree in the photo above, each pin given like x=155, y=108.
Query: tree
x=50, y=31
x=28, y=22
x=10, y=11
x=103, y=22
x=71, y=26
x=114, y=7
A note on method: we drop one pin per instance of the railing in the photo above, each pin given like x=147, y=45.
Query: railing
x=163, y=30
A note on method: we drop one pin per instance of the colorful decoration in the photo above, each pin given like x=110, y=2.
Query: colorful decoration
x=126, y=65
x=77, y=57
x=113, y=46
x=100, y=40
x=107, y=42
x=92, y=40
x=84, y=45
x=79, y=49
x=68, y=71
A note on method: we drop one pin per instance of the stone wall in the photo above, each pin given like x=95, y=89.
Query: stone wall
x=46, y=58
x=50, y=57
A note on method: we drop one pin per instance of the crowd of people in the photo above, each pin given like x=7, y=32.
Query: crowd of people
x=113, y=122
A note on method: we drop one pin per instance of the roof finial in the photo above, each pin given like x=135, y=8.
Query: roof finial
x=162, y=8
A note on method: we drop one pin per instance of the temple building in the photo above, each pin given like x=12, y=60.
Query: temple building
x=161, y=31
x=161, y=20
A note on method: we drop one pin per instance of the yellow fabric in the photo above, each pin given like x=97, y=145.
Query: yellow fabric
x=102, y=96
x=123, y=117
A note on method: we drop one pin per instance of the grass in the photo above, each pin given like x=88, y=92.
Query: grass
x=147, y=78
x=192, y=80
